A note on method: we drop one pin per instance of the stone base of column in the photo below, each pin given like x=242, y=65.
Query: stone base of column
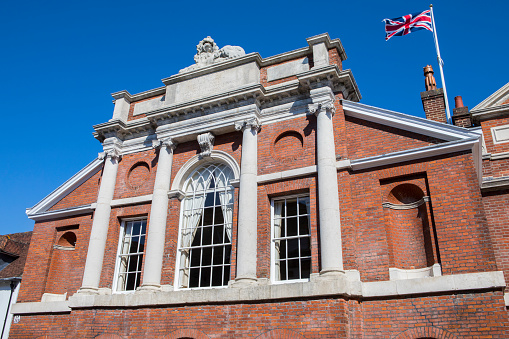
x=147, y=288
x=331, y=272
x=88, y=290
x=243, y=282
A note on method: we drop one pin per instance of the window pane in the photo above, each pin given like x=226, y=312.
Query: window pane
x=305, y=248
x=293, y=248
x=226, y=274
x=194, y=277
x=218, y=255
x=208, y=216
x=217, y=276
x=207, y=235
x=136, y=228
x=205, y=277
x=303, y=225
x=303, y=205
x=291, y=227
x=209, y=200
x=305, y=266
x=228, y=252
x=218, y=216
x=293, y=269
x=206, y=258
x=282, y=269
x=195, y=257
x=131, y=279
x=291, y=207
x=282, y=249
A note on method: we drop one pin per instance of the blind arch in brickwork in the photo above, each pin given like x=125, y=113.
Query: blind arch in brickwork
x=186, y=333
x=425, y=332
x=281, y=334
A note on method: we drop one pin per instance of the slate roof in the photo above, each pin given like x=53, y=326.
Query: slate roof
x=15, y=245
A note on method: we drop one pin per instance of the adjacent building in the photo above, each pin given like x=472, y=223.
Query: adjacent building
x=256, y=197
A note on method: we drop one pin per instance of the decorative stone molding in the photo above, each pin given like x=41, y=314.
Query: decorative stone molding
x=416, y=273
x=326, y=106
x=179, y=194
x=406, y=206
x=168, y=142
x=206, y=141
x=112, y=149
x=253, y=123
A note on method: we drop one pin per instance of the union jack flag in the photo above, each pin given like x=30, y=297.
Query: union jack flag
x=407, y=24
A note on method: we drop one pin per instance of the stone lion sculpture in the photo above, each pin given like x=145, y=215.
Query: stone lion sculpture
x=208, y=53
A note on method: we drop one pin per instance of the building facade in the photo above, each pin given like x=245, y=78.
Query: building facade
x=255, y=197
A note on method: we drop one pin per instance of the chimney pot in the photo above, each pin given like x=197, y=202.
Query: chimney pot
x=458, y=101
x=429, y=81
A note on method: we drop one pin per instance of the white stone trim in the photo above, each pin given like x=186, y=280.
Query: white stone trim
x=195, y=161
x=416, y=273
x=506, y=299
x=406, y=206
x=499, y=156
x=471, y=144
x=131, y=201
x=406, y=122
x=495, y=184
x=341, y=286
x=492, y=99
x=67, y=187
x=41, y=307
x=62, y=213
x=496, y=133
x=293, y=173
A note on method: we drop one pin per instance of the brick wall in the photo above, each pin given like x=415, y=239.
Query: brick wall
x=474, y=315
x=433, y=103
x=84, y=194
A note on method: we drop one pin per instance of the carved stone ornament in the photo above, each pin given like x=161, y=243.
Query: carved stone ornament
x=113, y=153
x=249, y=123
x=168, y=142
x=208, y=53
x=325, y=106
x=206, y=141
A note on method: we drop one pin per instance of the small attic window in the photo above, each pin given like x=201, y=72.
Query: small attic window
x=67, y=241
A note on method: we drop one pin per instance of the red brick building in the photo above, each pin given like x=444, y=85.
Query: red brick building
x=257, y=198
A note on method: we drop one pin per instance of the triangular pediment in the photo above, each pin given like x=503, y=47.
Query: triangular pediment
x=499, y=98
x=44, y=206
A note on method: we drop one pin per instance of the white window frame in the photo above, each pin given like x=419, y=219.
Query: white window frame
x=273, y=240
x=117, y=257
x=176, y=285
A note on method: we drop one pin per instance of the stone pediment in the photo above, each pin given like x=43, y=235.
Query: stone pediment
x=499, y=98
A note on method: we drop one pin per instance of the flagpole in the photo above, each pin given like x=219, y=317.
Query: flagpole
x=440, y=64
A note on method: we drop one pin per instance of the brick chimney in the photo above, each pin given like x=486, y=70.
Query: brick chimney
x=460, y=115
x=433, y=100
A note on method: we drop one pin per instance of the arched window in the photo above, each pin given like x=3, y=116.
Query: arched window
x=206, y=228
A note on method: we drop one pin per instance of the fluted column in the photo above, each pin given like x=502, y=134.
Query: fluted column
x=158, y=214
x=98, y=235
x=328, y=201
x=248, y=203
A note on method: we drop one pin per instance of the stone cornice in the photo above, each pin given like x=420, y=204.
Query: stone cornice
x=490, y=112
x=324, y=37
x=338, y=80
x=495, y=184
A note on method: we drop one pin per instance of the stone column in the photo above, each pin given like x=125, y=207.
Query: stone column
x=98, y=235
x=328, y=201
x=158, y=213
x=248, y=203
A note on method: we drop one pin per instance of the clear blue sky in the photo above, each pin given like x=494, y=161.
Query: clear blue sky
x=60, y=60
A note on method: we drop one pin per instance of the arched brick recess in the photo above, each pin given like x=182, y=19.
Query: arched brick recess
x=186, y=333
x=281, y=334
x=108, y=336
x=424, y=333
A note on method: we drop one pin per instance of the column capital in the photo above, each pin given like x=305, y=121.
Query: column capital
x=168, y=143
x=252, y=123
x=113, y=153
x=324, y=106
